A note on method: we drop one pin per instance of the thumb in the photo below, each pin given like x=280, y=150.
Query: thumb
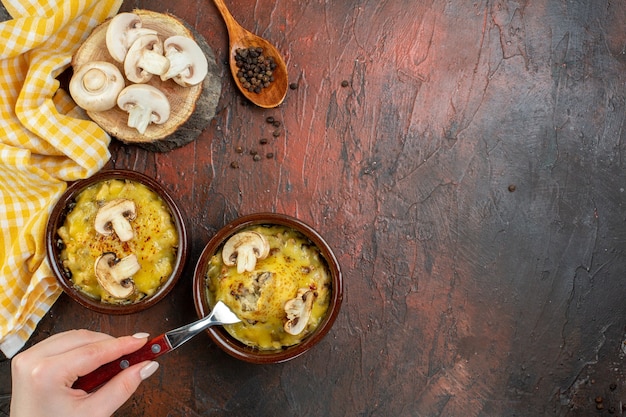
x=119, y=389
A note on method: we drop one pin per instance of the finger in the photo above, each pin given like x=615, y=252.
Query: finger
x=118, y=390
x=84, y=359
x=65, y=341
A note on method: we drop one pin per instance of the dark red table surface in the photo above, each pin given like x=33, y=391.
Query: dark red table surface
x=471, y=179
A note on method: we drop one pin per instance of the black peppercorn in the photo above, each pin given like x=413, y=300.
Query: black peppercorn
x=255, y=69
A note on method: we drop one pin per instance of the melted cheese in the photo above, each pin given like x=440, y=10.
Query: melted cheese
x=259, y=297
x=155, y=241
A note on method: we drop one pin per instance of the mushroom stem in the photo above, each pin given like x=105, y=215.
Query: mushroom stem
x=246, y=260
x=139, y=117
x=153, y=63
x=179, y=65
x=145, y=58
x=145, y=104
x=122, y=228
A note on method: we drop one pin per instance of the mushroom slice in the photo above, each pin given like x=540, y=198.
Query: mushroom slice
x=244, y=248
x=115, y=275
x=299, y=311
x=188, y=64
x=144, y=59
x=122, y=32
x=145, y=104
x=115, y=216
x=96, y=85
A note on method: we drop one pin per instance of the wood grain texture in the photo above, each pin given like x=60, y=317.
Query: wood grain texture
x=470, y=177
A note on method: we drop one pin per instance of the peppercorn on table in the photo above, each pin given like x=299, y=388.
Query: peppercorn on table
x=466, y=163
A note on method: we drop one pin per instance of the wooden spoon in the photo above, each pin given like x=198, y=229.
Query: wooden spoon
x=239, y=37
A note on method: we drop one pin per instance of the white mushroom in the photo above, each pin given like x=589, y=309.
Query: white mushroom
x=115, y=216
x=299, y=311
x=145, y=104
x=144, y=59
x=122, y=32
x=114, y=274
x=244, y=248
x=95, y=86
x=188, y=64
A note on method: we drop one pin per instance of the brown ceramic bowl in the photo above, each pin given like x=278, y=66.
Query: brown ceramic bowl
x=57, y=218
x=225, y=340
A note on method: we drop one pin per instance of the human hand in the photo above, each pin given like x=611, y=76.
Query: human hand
x=43, y=375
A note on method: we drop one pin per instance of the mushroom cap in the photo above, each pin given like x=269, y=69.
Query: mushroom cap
x=96, y=85
x=150, y=98
x=145, y=58
x=244, y=248
x=116, y=215
x=114, y=274
x=188, y=64
x=122, y=32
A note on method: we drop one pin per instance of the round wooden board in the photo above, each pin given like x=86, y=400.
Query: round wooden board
x=192, y=108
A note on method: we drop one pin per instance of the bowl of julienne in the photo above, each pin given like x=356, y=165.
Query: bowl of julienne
x=279, y=276
x=116, y=242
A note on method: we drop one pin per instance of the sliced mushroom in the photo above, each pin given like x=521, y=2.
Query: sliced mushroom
x=115, y=216
x=144, y=59
x=96, y=85
x=145, y=104
x=244, y=248
x=188, y=64
x=299, y=311
x=122, y=32
x=115, y=275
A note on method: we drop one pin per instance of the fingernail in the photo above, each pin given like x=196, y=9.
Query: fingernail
x=141, y=335
x=148, y=370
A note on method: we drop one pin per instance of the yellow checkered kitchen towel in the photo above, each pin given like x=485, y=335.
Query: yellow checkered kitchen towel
x=44, y=142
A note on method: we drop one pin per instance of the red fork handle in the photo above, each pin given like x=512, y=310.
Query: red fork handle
x=152, y=349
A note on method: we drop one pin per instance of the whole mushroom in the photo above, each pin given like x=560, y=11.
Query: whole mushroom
x=188, y=64
x=123, y=30
x=145, y=104
x=144, y=59
x=96, y=85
